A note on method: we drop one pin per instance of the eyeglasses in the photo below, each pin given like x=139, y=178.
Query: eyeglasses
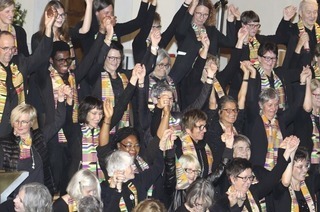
x=307, y=166
x=161, y=65
x=156, y=26
x=202, y=15
x=201, y=127
x=268, y=59
x=64, y=60
x=317, y=95
x=110, y=58
x=245, y=179
x=130, y=146
x=62, y=15
x=229, y=110
x=252, y=26
x=191, y=171
x=7, y=49
x=23, y=122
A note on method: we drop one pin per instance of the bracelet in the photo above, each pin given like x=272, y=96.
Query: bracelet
x=245, y=80
x=106, y=123
x=141, y=85
x=211, y=78
x=302, y=83
x=185, y=4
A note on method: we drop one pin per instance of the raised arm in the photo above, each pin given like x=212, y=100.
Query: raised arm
x=87, y=17
x=104, y=135
x=307, y=103
x=245, y=67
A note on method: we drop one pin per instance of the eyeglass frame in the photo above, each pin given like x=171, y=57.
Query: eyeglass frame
x=245, y=179
x=268, y=59
x=201, y=127
x=23, y=122
x=161, y=66
x=202, y=15
x=252, y=26
x=190, y=171
x=6, y=49
x=130, y=146
x=112, y=59
x=64, y=60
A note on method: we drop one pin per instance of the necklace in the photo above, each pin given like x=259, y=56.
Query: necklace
x=32, y=156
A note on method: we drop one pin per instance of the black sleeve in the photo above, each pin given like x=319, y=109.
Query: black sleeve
x=202, y=98
x=122, y=29
x=144, y=113
x=21, y=37
x=139, y=45
x=267, y=183
x=170, y=172
x=51, y=129
x=168, y=34
x=155, y=120
x=88, y=60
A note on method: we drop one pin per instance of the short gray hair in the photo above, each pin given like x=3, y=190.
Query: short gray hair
x=200, y=189
x=267, y=94
x=83, y=178
x=90, y=204
x=118, y=160
x=37, y=198
x=162, y=54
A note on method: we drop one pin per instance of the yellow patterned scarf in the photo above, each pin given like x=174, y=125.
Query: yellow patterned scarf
x=315, y=157
x=56, y=83
x=252, y=202
x=277, y=85
x=301, y=28
x=107, y=93
x=253, y=48
x=316, y=69
x=188, y=148
x=17, y=80
x=306, y=195
x=274, y=137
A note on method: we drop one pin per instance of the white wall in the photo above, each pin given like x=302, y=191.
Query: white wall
x=270, y=12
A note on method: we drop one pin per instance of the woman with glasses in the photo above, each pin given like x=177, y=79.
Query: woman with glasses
x=243, y=194
x=108, y=79
x=25, y=149
x=306, y=122
x=61, y=30
x=200, y=19
x=82, y=184
x=297, y=188
x=125, y=189
x=7, y=11
x=199, y=197
x=153, y=22
x=267, y=125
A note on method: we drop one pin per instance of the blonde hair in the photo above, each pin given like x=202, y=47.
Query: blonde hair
x=150, y=205
x=83, y=178
x=6, y=3
x=189, y=159
x=22, y=109
x=315, y=83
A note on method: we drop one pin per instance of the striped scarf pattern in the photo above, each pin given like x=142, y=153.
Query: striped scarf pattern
x=25, y=148
x=306, y=195
x=57, y=81
x=107, y=93
x=189, y=148
x=90, y=141
x=274, y=137
x=315, y=158
x=17, y=80
x=252, y=202
x=301, y=28
x=133, y=196
x=277, y=85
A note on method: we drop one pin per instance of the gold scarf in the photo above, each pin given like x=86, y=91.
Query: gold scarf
x=253, y=48
x=17, y=80
x=306, y=195
x=274, y=137
x=57, y=82
x=107, y=93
